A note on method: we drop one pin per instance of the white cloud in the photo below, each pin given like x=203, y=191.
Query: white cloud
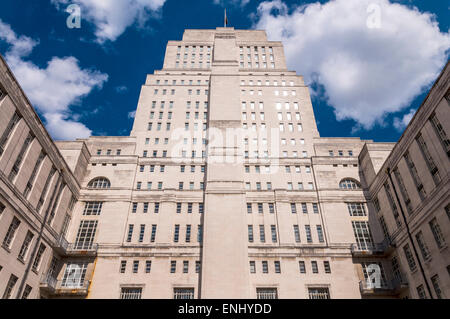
x=223, y=3
x=366, y=72
x=401, y=123
x=132, y=115
x=52, y=90
x=112, y=17
x=121, y=89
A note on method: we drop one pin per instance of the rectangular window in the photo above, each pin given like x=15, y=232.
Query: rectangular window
x=320, y=233
x=188, y=233
x=308, y=233
x=185, y=267
x=131, y=293
x=176, y=234
x=123, y=266
x=302, y=267
x=409, y=257
x=38, y=258
x=277, y=266
x=262, y=234
x=327, y=267
x=297, y=234
x=403, y=190
x=266, y=293
x=173, y=266
x=428, y=159
x=273, y=229
x=318, y=293
x=92, y=208
x=130, y=233
x=265, y=267
x=141, y=234
x=271, y=208
x=11, y=233
x=32, y=178
x=135, y=266
x=363, y=235
x=250, y=233
x=148, y=266
x=179, y=208
x=392, y=203
x=199, y=233
x=304, y=208
x=10, y=287
x=156, y=211
x=26, y=292
x=421, y=292
x=8, y=131
x=25, y=246
x=356, y=209
x=440, y=132
x=183, y=293
x=252, y=267
x=293, y=208
x=437, y=287
x=423, y=246
x=314, y=267
x=437, y=233
x=197, y=267
x=153, y=236
x=315, y=208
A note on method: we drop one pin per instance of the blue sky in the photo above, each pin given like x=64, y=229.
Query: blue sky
x=369, y=63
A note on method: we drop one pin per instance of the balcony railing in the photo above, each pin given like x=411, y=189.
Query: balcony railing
x=65, y=248
x=382, y=248
x=393, y=287
x=62, y=287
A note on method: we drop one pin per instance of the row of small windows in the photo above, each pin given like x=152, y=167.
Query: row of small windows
x=193, y=48
x=172, y=91
x=179, y=208
x=199, y=65
x=109, y=152
x=193, y=56
x=301, y=264
x=276, y=93
x=176, y=233
x=289, y=186
x=162, y=168
x=182, y=82
x=260, y=208
x=171, y=104
x=148, y=266
x=267, y=83
x=340, y=153
x=296, y=232
x=188, y=115
x=181, y=186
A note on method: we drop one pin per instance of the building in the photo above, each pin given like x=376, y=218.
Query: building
x=224, y=189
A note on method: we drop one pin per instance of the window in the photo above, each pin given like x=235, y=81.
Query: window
x=363, y=235
x=308, y=233
x=315, y=208
x=437, y=233
x=265, y=267
x=262, y=234
x=9, y=287
x=318, y=293
x=266, y=293
x=32, y=178
x=250, y=233
x=8, y=131
x=199, y=233
x=274, y=233
x=320, y=233
x=130, y=233
x=423, y=246
x=153, y=236
x=176, y=234
x=25, y=246
x=421, y=292
x=293, y=208
x=297, y=234
x=314, y=267
x=302, y=267
x=349, y=184
x=304, y=208
x=440, y=132
x=131, y=293
x=142, y=233
x=409, y=257
x=356, y=209
x=92, y=208
x=188, y=233
x=26, y=292
x=436, y=286
x=392, y=203
x=123, y=266
x=99, y=183
x=403, y=190
x=185, y=267
x=428, y=159
x=183, y=293
x=18, y=162
x=197, y=266
x=277, y=266
x=135, y=266
x=38, y=258
x=271, y=208
x=10, y=234
x=327, y=267
x=252, y=267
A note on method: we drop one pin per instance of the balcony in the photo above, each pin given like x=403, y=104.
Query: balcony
x=391, y=288
x=52, y=286
x=64, y=248
x=381, y=249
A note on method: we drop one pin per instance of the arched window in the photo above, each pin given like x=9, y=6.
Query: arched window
x=99, y=183
x=348, y=183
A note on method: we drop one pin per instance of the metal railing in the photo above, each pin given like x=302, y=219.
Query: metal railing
x=69, y=248
x=49, y=281
x=375, y=248
x=69, y=285
x=392, y=285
